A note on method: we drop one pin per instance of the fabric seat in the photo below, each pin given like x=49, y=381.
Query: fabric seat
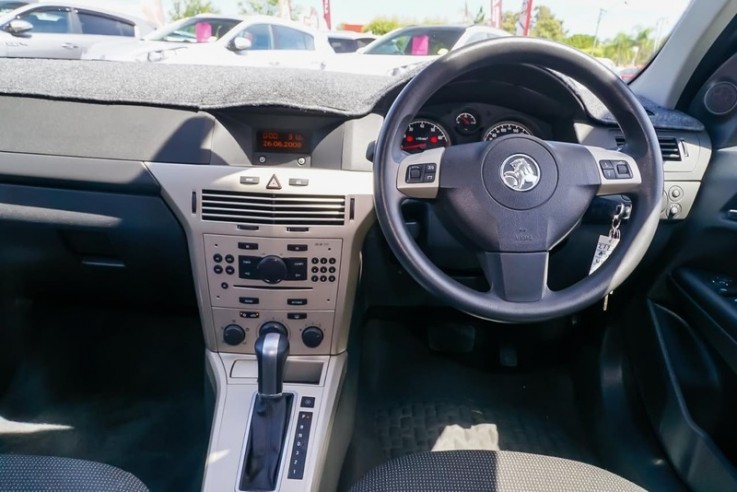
x=20, y=473
x=489, y=471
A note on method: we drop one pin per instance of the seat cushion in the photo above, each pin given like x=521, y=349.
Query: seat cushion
x=21, y=473
x=487, y=471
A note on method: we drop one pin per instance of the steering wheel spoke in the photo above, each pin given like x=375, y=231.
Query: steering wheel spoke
x=516, y=277
x=618, y=172
x=418, y=175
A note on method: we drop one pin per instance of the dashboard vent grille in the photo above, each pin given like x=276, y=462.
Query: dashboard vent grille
x=668, y=147
x=273, y=209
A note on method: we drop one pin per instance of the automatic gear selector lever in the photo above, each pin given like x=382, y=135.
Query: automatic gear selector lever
x=272, y=410
x=272, y=349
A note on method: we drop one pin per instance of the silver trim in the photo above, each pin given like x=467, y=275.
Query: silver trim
x=520, y=172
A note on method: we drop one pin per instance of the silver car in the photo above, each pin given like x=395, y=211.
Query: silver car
x=61, y=30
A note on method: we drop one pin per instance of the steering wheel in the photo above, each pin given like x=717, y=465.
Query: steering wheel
x=514, y=198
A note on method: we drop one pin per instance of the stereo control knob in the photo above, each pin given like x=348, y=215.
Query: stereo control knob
x=272, y=269
x=234, y=334
x=312, y=336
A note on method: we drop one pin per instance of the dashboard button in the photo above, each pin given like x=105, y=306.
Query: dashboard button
x=218, y=269
x=297, y=302
x=250, y=180
x=229, y=259
x=217, y=258
x=299, y=182
x=249, y=300
x=243, y=245
x=296, y=315
x=229, y=270
x=296, y=247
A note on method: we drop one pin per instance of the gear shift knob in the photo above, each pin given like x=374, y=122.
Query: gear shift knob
x=272, y=349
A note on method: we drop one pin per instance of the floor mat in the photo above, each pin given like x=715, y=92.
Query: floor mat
x=121, y=388
x=408, y=395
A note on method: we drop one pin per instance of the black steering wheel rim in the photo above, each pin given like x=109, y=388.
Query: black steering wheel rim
x=642, y=146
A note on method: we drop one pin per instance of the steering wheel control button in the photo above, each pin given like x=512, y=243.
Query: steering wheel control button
x=249, y=300
x=609, y=173
x=307, y=402
x=249, y=246
x=217, y=258
x=623, y=170
x=421, y=173
x=520, y=172
x=296, y=316
x=218, y=269
x=312, y=336
x=297, y=247
x=272, y=269
x=297, y=302
x=606, y=165
x=234, y=335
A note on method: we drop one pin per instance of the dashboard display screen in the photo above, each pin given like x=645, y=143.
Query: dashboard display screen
x=282, y=141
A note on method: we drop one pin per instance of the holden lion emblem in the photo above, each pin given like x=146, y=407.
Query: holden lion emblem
x=520, y=172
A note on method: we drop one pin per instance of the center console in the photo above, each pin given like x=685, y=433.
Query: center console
x=272, y=249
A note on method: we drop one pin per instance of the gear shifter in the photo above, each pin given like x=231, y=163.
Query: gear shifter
x=272, y=348
x=272, y=410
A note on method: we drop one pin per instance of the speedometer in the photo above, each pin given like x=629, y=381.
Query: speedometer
x=506, y=128
x=423, y=135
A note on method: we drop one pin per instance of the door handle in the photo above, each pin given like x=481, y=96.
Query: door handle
x=69, y=46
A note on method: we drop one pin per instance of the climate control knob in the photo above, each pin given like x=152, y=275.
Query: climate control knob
x=272, y=269
x=312, y=336
x=234, y=334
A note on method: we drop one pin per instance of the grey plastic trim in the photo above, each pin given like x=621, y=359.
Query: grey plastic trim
x=234, y=399
x=77, y=172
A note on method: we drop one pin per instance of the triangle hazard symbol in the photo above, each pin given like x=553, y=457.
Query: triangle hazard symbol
x=273, y=183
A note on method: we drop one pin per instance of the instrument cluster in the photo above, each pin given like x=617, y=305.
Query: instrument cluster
x=437, y=127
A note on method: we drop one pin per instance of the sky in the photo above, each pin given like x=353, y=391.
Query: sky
x=579, y=16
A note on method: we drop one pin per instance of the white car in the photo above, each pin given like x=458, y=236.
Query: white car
x=259, y=41
x=408, y=47
x=349, y=41
x=62, y=30
x=203, y=28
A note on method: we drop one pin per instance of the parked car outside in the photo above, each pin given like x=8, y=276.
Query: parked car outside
x=259, y=41
x=408, y=47
x=62, y=30
x=203, y=28
x=349, y=41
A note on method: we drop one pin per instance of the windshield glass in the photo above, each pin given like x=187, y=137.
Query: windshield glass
x=382, y=37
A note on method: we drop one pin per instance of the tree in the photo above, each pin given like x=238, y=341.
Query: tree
x=382, y=25
x=268, y=7
x=546, y=25
x=584, y=42
x=509, y=21
x=187, y=8
x=480, y=17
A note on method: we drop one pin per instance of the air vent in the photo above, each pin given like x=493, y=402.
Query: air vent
x=272, y=209
x=668, y=147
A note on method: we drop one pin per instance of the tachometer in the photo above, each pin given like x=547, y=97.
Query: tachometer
x=423, y=135
x=506, y=128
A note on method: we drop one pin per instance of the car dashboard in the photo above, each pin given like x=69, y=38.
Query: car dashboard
x=263, y=213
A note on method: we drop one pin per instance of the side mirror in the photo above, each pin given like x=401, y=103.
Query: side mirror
x=18, y=26
x=241, y=44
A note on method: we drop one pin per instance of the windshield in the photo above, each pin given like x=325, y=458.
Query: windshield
x=382, y=37
x=195, y=30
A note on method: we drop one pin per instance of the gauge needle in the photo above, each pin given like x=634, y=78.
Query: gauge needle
x=415, y=146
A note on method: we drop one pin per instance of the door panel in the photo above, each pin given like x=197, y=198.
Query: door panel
x=51, y=37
